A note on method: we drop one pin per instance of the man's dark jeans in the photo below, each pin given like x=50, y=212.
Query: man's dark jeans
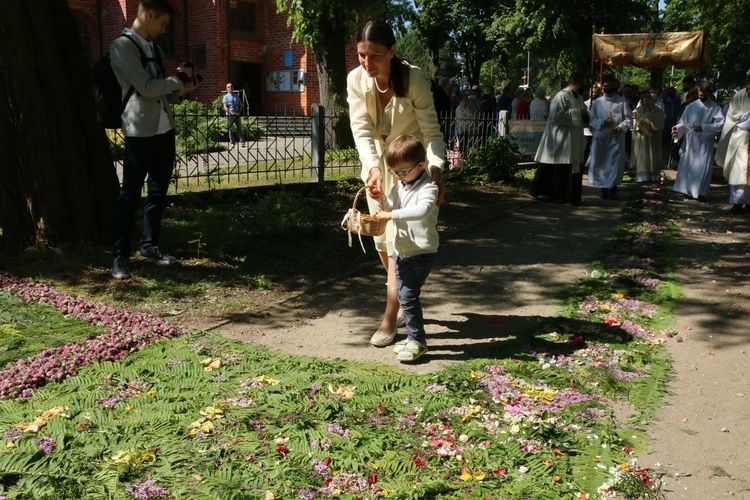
x=411, y=273
x=144, y=156
x=234, y=128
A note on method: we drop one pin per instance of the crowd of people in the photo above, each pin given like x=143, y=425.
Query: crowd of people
x=609, y=128
x=623, y=127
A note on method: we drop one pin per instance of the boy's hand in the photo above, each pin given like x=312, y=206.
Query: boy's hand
x=383, y=215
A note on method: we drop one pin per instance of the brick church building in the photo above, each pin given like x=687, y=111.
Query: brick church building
x=245, y=42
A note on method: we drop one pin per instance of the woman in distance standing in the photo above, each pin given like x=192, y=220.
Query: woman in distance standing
x=389, y=97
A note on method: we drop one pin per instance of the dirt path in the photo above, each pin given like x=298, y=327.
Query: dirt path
x=506, y=273
x=511, y=267
x=701, y=439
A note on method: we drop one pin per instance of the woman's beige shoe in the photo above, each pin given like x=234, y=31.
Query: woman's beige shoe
x=382, y=339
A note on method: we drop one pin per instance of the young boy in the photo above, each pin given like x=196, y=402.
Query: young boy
x=412, y=205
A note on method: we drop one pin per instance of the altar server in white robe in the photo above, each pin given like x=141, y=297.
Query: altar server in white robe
x=648, y=123
x=732, y=154
x=610, y=119
x=699, y=124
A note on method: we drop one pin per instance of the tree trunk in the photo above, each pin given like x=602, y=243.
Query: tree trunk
x=57, y=182
x=330, y=60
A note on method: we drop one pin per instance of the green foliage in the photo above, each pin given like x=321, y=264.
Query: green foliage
x=339, y=156
x=116, y=144
x=28, y=329
x=257, y=443
x=725, y=23
x=498, y=160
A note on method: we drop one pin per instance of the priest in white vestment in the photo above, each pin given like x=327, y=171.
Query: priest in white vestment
x=699, y=124
x=648, y=123
x=610, y=119
x=560, y=151
x=732, y=154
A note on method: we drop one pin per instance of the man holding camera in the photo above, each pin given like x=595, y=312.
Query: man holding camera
x=233, y=107
x=148, y=126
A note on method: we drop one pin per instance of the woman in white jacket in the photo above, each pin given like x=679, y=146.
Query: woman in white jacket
x=388, y=97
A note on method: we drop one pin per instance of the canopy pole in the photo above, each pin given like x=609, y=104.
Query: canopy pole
x=593, y=48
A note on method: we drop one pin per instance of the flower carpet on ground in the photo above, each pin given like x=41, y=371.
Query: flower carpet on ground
x=148, y=410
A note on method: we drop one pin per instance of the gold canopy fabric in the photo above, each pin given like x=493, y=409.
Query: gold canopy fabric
x=684, y=49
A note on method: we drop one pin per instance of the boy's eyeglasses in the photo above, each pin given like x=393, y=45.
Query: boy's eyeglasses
x=403, y=173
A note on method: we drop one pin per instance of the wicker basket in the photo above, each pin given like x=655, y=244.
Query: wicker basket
x=362, y=224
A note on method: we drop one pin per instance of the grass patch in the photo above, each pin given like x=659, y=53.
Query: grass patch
x=28, y=329
x=717, y=470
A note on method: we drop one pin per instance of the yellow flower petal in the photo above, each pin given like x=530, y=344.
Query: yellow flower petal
x=346, y=391
x=266, y=380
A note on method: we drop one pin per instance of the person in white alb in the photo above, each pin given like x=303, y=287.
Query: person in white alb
x=699, y=124
x=648, y=122
x=732, y=154
x=588, y=132
x=610, y=119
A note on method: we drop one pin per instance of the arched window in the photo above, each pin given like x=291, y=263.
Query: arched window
x=243, y=16
x=85, y=35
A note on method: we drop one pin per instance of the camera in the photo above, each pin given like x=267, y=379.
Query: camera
x=186, y=72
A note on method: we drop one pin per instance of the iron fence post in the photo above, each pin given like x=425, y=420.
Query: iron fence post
x=318, y=142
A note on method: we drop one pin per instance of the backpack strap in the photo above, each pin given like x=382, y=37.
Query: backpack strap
x=159, y=61
x=144, y=60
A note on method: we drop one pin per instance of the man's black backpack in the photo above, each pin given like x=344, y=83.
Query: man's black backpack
x=107, y=90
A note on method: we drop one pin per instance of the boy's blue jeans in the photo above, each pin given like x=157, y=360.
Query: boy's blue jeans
x=150, y=159
x=411, y=273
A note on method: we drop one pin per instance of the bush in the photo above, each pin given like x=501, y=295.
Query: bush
x=497, y=161
x=197, y=127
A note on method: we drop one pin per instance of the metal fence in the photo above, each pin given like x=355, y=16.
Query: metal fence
x=285, y=148
x=468, y=134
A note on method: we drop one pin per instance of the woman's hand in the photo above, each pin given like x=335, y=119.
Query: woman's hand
x=383, y=215
x=375, y=183
x=437, y=178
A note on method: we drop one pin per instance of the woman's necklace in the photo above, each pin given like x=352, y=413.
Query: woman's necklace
x=378, y=87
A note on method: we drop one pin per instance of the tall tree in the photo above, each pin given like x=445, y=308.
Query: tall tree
x=432, y=22
x=726, y=25
x=472, y=20
x=57, y=182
